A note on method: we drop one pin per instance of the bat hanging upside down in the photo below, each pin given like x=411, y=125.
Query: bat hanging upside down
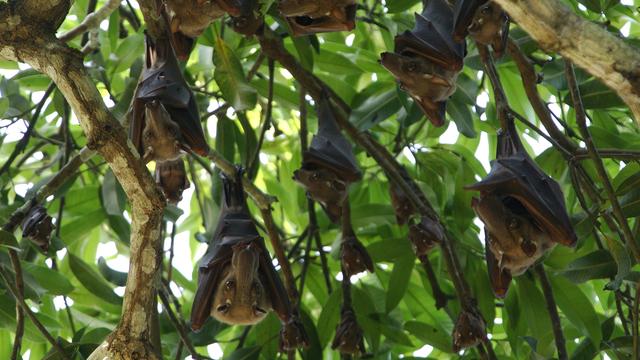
x=237, y=283
x=165, y=120
x=523, y=210
x=328, y=167
x=426, y=61
x=485, y=21
x=315, y=16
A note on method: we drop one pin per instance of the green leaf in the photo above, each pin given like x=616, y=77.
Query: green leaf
x=399, y=281
x=329, y=318
x=231, y=79
x=117, y=278
x=460, y=114
x=113, y=197
x=596, y=265
x=92, y=281
x=7, y=240
x=375, y=109
x=430, y=335
x=535, y=315
x=576, y=307
x=51, y=280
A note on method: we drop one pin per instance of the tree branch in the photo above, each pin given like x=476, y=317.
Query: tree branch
x=581, y=120
x=45, y=53
x=92, y=20
x=558, y=29
x=553, y=311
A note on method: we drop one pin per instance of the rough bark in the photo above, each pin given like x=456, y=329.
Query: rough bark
x=558, y=29
x=24, y=40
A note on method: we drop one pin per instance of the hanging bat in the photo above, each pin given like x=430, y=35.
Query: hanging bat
x=468, y=331
x=400, y=202
x=425, y=235
x=522, y=208
x=248, y=20
x=328, y=167
x=485, y=21
x=237, y=283
x=189, y=18
x=348, y=338
x=165, y=115
x=307, y=17
x=426, y=61
x=171, y=177
x=37, y=227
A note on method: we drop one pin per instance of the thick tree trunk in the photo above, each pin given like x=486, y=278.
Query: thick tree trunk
x=558, y=29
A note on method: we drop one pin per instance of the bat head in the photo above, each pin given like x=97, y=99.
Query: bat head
x=37, y=227
x=325, y=187
x=487, y=24
x=171, y=177
x=313, y=17
x=401, y=204
x=241, y=297
x=161, y=135
x=419, y=77
x=348, y=337
x=516, y=240
x=354, y=256
x=425, y=235
x=468, y=331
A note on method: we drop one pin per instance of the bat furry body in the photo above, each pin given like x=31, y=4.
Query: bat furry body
x=237, y=283
x=426, y=61
x=328, y=167
x=485, y=21
x=165, y=115
x=315, y=16
x=171, y=177
x=523, y=210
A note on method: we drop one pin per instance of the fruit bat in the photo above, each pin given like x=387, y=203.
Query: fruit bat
x=248, y=19
x=165, y=115
x=400, y=202
x=37, y=227
x=328, y=167
x=237, y=283
x=425, y=235
x=426, y=61
x=307, y=17
x=189, y=18
x=485, y=21
x=171, y=177
x=523, y=210
x=348, y=338
x=468, y=331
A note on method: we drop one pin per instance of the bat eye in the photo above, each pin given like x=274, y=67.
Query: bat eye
x=161, y=75
x=229, y=284
x=486, y=10
x=259, y=311
x=514, y=224
x=223, y=308
x=315, y=176
x=412, y=67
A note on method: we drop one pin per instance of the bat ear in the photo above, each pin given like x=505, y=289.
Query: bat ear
x=499, y=278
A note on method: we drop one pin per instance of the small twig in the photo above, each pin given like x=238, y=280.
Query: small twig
x=438, y=295
x=22, y=144
x=622, y=154
x=15, y=262
x=25, y=307
x=276, y=243
x=597, y=160
x=174, y=228
x=262, y=200
x=636, y=313
x=255, y=161
x=529, y=81
x=92, y=20
x=182, y=332
x=553, y=311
